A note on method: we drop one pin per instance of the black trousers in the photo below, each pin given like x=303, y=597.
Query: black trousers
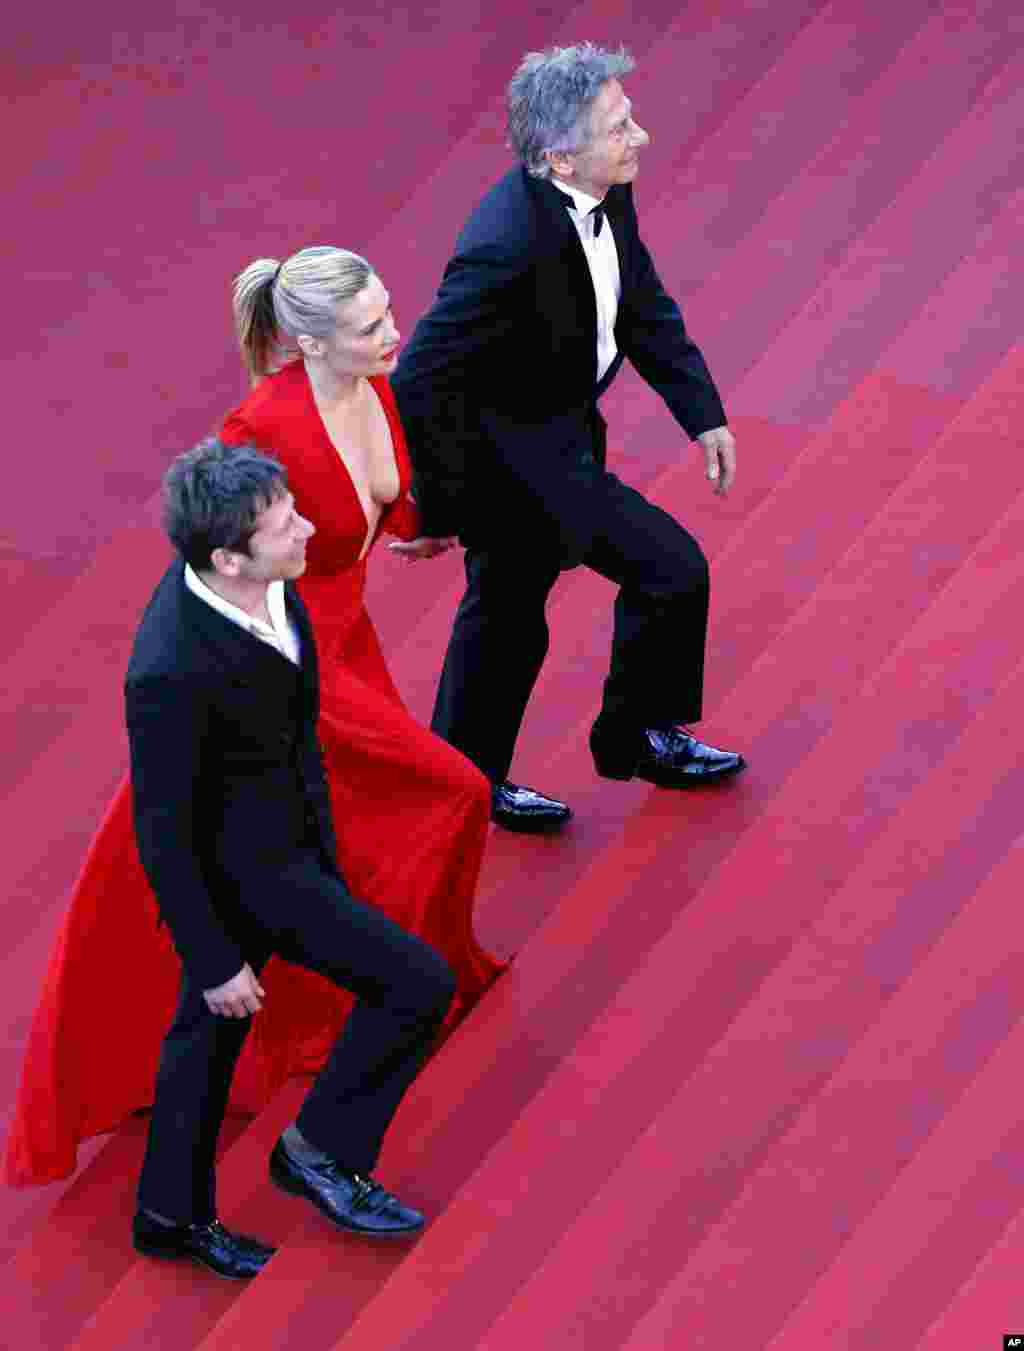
x=404, y=989
x=500, y=637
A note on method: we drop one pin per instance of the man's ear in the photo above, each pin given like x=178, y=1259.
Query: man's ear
x=225, y=561
x=309, y=346
x=562, y=163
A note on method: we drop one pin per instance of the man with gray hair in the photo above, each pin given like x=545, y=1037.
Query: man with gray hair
x=549, y=289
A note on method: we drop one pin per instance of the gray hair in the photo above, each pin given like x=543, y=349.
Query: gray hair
x=550, y=97
x=212, y=496
x=274, y=302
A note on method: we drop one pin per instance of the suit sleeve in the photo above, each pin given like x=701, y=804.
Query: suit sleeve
x=473, y=316
x=655, y=340
x=167, y=725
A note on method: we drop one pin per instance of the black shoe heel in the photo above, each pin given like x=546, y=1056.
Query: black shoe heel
x=155, y=1249
x=612, y=762
x=285, y=1181
x=614, y=767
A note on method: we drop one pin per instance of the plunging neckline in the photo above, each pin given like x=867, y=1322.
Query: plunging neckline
x=338, y=458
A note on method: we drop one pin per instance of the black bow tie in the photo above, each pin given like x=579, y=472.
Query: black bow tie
x=596, y=213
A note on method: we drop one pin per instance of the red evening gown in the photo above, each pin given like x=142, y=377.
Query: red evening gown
x=411, y=816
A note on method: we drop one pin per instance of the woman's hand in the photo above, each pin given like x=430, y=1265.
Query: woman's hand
x=425, y=546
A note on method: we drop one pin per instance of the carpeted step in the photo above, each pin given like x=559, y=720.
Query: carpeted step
x=677, y=1005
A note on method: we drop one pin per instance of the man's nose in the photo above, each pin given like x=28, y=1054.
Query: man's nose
x=640, y=137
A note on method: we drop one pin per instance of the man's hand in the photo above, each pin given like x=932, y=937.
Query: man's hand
x=425, y=546
x=719, y=458
x=237, y=997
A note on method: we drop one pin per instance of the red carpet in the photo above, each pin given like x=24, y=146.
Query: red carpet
x=752, y=1078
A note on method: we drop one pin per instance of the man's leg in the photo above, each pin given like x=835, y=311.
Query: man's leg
x=656, y=675
x=177, y=1214
x=197, y=1061
x=404, y=989
x=498, y=645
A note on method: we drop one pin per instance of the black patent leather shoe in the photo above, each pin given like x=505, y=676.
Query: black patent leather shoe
x=669, y=757
x=349, y=1200
x=517, y=808
x=234, y=1256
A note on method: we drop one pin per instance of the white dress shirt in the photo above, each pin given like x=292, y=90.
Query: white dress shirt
x=603, y=261
x=283, y=635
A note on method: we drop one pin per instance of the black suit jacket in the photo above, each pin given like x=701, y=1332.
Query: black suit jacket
x=227, y=775
x=496, y=386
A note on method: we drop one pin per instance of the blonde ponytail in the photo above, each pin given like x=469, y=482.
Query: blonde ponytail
x=255, y=319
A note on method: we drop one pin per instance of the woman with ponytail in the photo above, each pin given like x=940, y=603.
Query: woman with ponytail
x=319, y=340
x=411, y=813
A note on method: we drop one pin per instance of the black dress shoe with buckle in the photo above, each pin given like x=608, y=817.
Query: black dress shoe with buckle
x=517, y=808
x=234, y=1256
x=349, y=1200
x=668, y=756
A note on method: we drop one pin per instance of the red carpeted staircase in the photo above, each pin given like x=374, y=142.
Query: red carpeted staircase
x=751, y=1079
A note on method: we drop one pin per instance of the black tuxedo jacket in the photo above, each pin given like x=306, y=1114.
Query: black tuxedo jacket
x=227, y=775
x=496, y=386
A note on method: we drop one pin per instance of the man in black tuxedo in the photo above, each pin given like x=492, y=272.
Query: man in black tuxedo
x=549, y=289
x=233, y=822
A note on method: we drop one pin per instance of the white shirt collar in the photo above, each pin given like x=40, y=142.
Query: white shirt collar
x=582, y=201
x=280, y=635
x=276, y=606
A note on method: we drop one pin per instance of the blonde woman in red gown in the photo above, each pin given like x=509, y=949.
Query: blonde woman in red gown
x=411, y=813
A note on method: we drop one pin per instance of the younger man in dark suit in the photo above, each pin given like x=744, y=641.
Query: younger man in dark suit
x=234, y=830
x=498, y=390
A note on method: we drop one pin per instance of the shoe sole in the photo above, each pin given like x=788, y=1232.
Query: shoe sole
x=533, y=828
x=162, y=1254
x=285, y=1184
x=668, y=780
